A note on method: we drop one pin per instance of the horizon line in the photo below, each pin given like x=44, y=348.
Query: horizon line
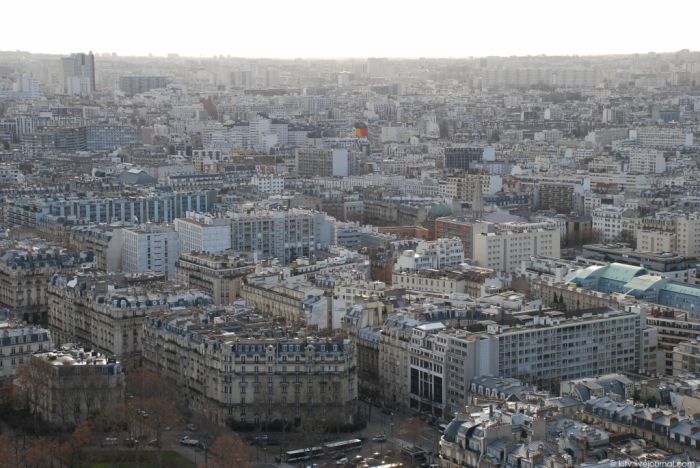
x=171, y=55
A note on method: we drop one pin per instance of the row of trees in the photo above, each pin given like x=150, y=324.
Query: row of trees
x=150, y=409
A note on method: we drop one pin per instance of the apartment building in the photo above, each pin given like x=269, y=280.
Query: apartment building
x=324, y=162
x=137, y=84
x=294, y=300
x=646, y=161
x=394, y=368
x=549, y=348
x=253, y=377
x=152, y=206
x=18, y=342
x=268, y=183
x=105, y=241
x=504, y=247
x=688, y=240
x=150, y=248
x=437, y=254
x=462, y=228
x=74, y=385
x=284, y=235
x=686, y=358
x=556, y=196
x=673, y=327
x=607, y=222
x=429, y=281
x=219, y=276
x=201, y=232
x=465, y=187
x=24, y=277
x=427, y=389
x=107, y=312
x=465, y=157
x=109, y=137
x=661, y=137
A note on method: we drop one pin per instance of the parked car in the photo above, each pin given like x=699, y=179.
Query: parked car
x=191, y=428
x=190, y=442
x=379, y=438
x=342, y=461
x=109, y=441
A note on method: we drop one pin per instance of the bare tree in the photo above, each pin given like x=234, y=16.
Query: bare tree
x=70, y=450
x=229, y=450
x=158, y=413
x=42, y=453
x=412, y=428
x=10, y=451
x=31, y=382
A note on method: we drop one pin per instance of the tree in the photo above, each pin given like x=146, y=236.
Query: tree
x=229, y=450
x=145, y=383
x=82, y=436
x=31, y=380
x=112, y=418
x=412, y=428
x=158, y=413
x=9, y=456
x=41, y=454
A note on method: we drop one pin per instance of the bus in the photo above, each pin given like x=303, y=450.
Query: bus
x=343, y=445
x=298, y=455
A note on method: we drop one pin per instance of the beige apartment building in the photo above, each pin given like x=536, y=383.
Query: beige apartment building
x=217, y=275
x=249, y=377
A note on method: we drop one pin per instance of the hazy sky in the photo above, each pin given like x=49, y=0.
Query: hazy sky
x=350, y=28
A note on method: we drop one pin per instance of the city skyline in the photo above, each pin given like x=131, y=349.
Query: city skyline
x=311, y=29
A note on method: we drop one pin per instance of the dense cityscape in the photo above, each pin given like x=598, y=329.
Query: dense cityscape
x=231, y=262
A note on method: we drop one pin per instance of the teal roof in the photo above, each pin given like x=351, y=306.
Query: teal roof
x=440, y=210
x=622, y=272
x=644, y=282
x=687, y=289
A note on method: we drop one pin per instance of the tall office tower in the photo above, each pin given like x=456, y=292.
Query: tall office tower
x=79, y=74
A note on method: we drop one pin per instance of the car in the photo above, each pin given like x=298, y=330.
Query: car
x=189, y=442
x=342, y=461
x=153, y=442
x=379, y=438
x=191, y=428
x=358, y=459
x=110, y=441
x=130, y=441
x=261, y=439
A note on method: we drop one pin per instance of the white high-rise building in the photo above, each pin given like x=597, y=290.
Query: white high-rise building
x=647, y=161
x=661, y=137
x=284, y=235
x=203, y=233
x=503, y=247
x=79, y=74
x=688, y=229
x=150, y=248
